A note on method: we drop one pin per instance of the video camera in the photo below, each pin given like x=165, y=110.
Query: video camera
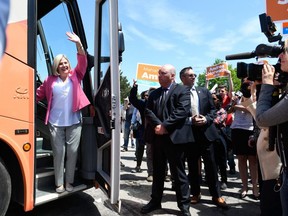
x=254, y=71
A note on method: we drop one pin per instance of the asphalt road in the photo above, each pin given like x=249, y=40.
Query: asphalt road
x=135, y=192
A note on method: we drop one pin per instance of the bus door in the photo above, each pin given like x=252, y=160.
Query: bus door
x=54, y=19
x=107, y=97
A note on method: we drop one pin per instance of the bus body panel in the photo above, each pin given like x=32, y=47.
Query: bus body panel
x=17, y=84
x=17, y=30
x=25, y=159
x=18, y=11
x=17, y=118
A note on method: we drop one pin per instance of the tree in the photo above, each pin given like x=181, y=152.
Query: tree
x=124, y=87
x=220, y=80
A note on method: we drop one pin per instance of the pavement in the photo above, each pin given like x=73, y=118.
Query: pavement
x=135, y=192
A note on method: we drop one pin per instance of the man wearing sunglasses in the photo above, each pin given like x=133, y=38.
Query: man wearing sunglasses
x=205, y=133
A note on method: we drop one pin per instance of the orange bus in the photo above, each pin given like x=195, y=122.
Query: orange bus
x=35, y=33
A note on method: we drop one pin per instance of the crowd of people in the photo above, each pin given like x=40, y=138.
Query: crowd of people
x=183, y=126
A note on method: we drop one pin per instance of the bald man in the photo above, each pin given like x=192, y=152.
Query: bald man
x=166, y=112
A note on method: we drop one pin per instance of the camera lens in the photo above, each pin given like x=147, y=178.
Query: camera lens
x=241, y=70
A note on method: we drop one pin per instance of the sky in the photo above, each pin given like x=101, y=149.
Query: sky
x=188, y=33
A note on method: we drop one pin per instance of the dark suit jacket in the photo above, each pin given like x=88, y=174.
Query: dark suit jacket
x=207, y=109
x=139, y=104
x=175, y=112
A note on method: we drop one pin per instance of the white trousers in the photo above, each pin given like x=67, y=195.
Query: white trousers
x=65, y=142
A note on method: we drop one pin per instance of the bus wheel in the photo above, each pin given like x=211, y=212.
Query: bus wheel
x=5, y=189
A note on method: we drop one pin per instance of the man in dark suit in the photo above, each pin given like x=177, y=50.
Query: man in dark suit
x=166, y=112
x=204, y=134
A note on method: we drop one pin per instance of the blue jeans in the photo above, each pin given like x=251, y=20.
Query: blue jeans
x=284, y=193
x=230, y=154
x=127, y=132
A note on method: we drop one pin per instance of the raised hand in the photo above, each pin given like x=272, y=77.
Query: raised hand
x=73, y=37
x=134, y=83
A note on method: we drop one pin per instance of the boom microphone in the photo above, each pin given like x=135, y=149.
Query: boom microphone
x=245, y=55
x=268, y=50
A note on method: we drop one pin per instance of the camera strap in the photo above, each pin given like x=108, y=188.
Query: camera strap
x=279, y=182
x=280, y=146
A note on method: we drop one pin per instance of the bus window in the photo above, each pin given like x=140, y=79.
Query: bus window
x=55, y=25
x=51, y=41
x=88, y=18
x=105, y=46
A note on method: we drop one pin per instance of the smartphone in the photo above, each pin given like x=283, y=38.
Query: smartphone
x=238, y=94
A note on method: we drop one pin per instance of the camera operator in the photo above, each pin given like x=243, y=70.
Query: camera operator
x=267, y=116
x=268, y=159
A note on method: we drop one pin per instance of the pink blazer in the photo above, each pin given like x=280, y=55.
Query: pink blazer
x=76, y=75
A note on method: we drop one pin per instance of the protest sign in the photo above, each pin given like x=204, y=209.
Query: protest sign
x=147, y=74
x=215, y=71
x=277, y=9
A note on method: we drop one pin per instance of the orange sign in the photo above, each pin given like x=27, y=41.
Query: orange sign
x=277, y=9
x=147, y=74
x=215, y=71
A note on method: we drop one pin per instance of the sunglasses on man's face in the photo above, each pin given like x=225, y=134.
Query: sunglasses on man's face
x=192, y=75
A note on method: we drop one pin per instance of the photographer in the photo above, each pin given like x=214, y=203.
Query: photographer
x=269, y=161
x=267, y=116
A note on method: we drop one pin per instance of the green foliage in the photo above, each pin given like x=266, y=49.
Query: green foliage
x=220, y=80
x=124, y=87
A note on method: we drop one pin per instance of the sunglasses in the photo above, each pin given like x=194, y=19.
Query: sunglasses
x=191, y=75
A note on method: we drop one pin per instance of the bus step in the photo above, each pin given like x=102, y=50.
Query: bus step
x=45, y=176
x=44, y=159
x=48, y=193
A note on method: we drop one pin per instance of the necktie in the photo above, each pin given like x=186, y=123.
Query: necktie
x=162, y=101
x=194, y=102
x=163, y=98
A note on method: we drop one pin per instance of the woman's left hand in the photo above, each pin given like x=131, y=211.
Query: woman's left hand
x=268, y=74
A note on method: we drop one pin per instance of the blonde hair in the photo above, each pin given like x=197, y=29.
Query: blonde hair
x=56, y=62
